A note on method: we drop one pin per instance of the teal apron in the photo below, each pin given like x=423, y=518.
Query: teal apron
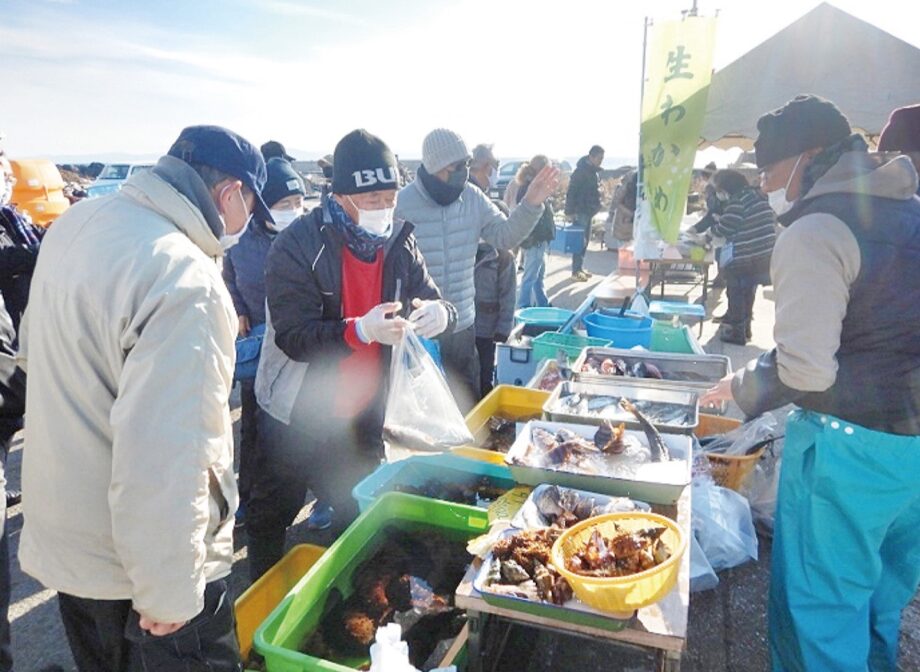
x=846, y=548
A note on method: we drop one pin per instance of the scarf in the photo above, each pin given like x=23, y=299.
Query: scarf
x=19, y=229
x=824, y=161
x=441, y=192
x=363, y=244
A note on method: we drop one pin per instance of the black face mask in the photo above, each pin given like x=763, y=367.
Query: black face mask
x=444, y=193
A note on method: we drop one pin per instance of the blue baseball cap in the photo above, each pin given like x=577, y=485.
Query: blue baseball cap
x=229, y=153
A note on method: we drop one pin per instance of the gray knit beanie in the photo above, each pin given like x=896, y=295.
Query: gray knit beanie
x=442, y=147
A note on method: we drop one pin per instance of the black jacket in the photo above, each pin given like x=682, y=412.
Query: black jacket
x=12, y=380
x=303, y=283
x=545, y=230
x=583, y=196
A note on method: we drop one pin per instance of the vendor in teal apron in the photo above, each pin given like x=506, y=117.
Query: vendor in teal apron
x=846, y=277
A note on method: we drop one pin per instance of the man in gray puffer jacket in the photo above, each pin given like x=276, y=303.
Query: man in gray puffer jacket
x=450, y=217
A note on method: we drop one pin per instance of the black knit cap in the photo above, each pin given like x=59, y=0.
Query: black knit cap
x=362, y=162
x=283, y=181
x=805, y=122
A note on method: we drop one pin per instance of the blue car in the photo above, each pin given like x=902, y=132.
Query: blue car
x=113, y=176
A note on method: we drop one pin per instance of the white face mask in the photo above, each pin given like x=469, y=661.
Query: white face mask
x=493, y=178
x=377, y=222
x=283, y=218
x=228, y=240
x=777, y=198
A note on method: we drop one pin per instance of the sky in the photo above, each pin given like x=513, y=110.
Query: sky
x=85, y=79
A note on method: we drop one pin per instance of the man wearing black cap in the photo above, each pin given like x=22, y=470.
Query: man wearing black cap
x=274, y=149
x=902, y=134
x=129, y=342
x=337, y=280
x=846, y=553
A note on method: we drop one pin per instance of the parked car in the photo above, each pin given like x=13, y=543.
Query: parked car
x=39, y=190
x=113, y=176
x=506, y=172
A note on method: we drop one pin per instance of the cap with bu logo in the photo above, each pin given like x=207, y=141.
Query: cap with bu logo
x=362, y=162
x=229, y=153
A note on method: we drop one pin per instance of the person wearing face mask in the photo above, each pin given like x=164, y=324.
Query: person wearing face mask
x=19, y=244
x=128, y=344
x=343, y=283
x=902, y=134
x=748, y=226
x=451, y=216
x=846, y=553
x=484, y=169
x=244, y=273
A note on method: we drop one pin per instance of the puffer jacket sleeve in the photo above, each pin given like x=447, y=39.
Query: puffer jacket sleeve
x=229, y=273
x=171, y=426
x=506, y=232
x=507, y=288
x=422, y=286
x=295, y=300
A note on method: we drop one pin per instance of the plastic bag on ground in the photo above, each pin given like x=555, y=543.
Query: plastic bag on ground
x=421, y=414
x=722, y=525
x=760, y=489
x=702, y=576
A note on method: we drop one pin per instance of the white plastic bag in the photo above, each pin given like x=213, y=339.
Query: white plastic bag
x=390, y=654
x=421, y=414
x=702, y=577
x=722, y=525
x=746, y=438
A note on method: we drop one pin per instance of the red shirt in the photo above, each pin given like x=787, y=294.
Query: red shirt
x=361, y=371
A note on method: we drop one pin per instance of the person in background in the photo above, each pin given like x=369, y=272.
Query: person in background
x=336, y=282
x=275, y=150
x=244, y=273
x=748, y=226
x=12, y=406
x=19, y=244
x=325, y=164
x=128, y=344
x=846, y=553
x=619, y=227
x=495, y=279
x=484, y=169
x=902, y=134
x=451, y=217
x=536, y=244
x=583, y=201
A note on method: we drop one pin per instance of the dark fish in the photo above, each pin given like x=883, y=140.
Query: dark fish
x=655, y=442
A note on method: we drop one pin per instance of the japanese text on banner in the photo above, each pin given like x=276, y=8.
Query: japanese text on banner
x=673, y=107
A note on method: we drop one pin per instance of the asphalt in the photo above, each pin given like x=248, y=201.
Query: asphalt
x=727, y=624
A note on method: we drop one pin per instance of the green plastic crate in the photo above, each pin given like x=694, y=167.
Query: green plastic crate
x=297, y=616
x=668, y=338
x=547, y=345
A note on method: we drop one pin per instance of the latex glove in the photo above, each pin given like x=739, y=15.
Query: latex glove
x=376, y=327
x=721, y=392
x=543, y=186
x=429, y=317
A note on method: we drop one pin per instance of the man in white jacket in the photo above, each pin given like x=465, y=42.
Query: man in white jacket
x=128, y=342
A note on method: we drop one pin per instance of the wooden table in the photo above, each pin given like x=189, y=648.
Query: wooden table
x=661, y=627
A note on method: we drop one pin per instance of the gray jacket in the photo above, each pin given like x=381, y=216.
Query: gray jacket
x=448, y=237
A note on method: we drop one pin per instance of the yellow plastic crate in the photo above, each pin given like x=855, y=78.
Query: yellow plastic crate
x=254, y=606
x=515, y=403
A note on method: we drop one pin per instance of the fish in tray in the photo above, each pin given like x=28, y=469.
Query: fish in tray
x=608, y=407
x=552, y=506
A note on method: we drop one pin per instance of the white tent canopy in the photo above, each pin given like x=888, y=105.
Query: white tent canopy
x=865, y=71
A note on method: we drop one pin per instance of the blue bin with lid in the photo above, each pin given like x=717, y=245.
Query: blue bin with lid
x=539, y=320
x=624, y=332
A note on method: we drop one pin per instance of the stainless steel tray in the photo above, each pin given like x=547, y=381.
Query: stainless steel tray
x=655, y=482
x=534, y=383
x=633, y=392
x=706, y=370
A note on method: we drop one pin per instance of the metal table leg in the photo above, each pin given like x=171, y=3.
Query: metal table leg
x=474, y=643
x=667, y=661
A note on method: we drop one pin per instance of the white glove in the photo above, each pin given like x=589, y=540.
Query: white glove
x=376, y=327
x=430, y=317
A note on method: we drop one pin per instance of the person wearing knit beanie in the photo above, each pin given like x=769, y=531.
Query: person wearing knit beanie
x=345, y=283
x=451, y=216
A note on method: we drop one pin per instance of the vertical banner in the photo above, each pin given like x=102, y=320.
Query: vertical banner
x=677, y=76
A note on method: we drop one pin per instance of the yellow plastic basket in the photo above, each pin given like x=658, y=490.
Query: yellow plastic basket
x=729, y=471
x=514, y=403
x=621, y=594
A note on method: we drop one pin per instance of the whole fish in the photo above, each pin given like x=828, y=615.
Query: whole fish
x=656, y=445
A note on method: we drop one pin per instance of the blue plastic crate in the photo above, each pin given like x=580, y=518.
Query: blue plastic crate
x=416, y=471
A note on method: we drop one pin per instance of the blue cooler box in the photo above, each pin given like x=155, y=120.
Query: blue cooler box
x=568, y=240
x=515, y=363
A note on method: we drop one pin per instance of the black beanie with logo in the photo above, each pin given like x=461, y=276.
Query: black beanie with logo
x=362, y=162
x=805, y=122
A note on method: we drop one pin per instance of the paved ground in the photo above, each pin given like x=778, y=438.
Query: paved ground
x=727, y=625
